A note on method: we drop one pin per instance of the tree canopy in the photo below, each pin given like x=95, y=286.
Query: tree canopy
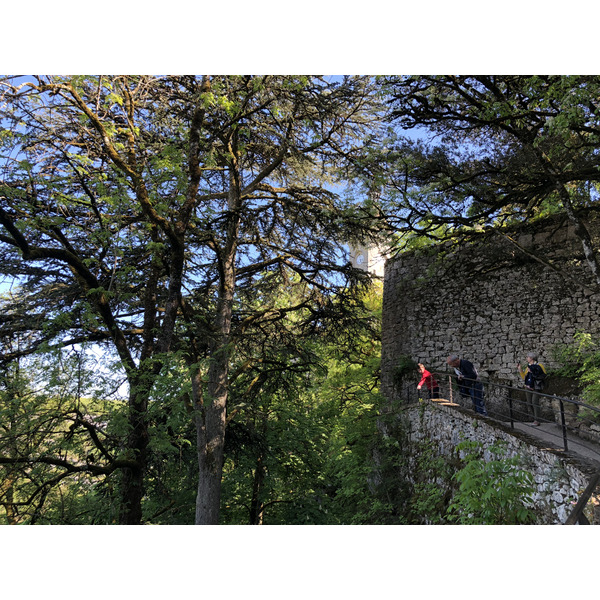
x=494, y=150
x=159, y=216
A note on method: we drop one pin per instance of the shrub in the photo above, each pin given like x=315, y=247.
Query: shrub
x=494, y=492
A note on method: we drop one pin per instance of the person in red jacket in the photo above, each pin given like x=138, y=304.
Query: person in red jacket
x=428, y=380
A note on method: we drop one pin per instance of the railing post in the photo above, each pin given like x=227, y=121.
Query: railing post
x=577, y=515
x=510, y=408
x=563, y=422
x=450, y=388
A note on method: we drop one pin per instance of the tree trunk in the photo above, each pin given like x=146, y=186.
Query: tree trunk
x=131, y=497
x=210, y=434
x=211, y=411
x=132, y=485
x=256, y=506
x=210, y=426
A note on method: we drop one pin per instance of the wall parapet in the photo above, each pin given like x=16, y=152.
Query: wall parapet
x=560, y=477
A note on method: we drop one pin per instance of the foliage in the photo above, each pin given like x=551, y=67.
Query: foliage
x=432, y=485
x=570, y=357
x=363, y=474
x=274, y=455
x=405, y=367
x=497, y=491
x=51, y=443
x=299, y=448
x=367, y=476
x=492, y=150
x=581, y=361
x=160, y=215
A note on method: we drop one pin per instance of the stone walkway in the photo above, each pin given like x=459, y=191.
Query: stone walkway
x=553, y=434
x=549, y=432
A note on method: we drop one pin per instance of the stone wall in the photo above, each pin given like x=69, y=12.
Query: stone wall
x=560, y=478
x=490, y=301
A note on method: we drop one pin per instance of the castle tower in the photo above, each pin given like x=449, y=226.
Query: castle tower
x=367, y=258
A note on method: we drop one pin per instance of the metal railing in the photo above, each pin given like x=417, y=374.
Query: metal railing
x=568, y=422
x=577, y=517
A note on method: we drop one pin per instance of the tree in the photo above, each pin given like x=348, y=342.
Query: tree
x=501, y=149
x=270, y=143
x=50, y=440
x=146, y=214
x=295, y=409
x=82, y=231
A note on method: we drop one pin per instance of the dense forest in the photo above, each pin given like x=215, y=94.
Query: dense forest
x=183, y=336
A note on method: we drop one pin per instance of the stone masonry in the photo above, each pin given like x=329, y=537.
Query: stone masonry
x=505, y=293
x=559, y=478
x=490, y=301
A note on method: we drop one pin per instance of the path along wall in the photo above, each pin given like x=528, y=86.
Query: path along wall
x=559, y=478
x=489, y=301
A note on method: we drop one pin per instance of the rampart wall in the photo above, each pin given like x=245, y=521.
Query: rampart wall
x=559, y=478
x=490, y=301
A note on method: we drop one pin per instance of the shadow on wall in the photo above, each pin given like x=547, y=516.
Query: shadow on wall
x=488, y=302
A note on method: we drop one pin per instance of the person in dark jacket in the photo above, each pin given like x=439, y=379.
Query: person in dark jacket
x=468, y=381
x=532, y=375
